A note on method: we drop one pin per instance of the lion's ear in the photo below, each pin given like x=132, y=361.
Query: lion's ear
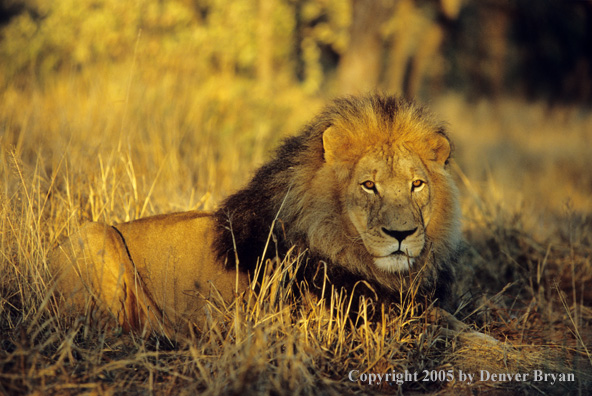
x=440, y=146
x=336, y=144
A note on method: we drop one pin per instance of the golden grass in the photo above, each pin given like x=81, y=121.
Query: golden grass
x=110, y=147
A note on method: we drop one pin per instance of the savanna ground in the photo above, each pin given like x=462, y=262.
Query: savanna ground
x=114, y=145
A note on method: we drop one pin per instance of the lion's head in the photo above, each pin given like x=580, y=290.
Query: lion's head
x=365, y=188
x=390, y=170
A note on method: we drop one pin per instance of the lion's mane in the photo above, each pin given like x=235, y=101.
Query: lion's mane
x=292, y=190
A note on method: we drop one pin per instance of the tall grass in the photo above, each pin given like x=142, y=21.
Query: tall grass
x=104, y=146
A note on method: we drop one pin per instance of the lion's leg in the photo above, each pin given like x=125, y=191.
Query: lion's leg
x=451, y=327
x=96, y=262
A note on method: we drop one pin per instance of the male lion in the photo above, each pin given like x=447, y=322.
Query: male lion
x=364, y=191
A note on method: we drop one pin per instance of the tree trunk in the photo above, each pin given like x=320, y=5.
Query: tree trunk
x=360, y=65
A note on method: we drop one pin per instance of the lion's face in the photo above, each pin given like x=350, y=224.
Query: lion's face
x=397, y=199
x=389, y=203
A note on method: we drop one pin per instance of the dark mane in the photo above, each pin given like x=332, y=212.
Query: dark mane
x=244, y=219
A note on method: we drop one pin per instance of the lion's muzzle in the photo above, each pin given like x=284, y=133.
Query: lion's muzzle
x=399, y=249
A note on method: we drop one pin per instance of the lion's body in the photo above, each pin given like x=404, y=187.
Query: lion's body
x=363, y=189
x=147, y=272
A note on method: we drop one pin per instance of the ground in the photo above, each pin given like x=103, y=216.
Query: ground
x=93, y=147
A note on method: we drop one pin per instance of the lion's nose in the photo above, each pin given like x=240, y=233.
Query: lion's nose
x=399, y=235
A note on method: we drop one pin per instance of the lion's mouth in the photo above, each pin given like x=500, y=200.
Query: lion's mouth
x=398, y=253
x=398, y=261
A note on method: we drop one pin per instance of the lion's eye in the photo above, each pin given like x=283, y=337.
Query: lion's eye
x=417, y=185
x=369, y=186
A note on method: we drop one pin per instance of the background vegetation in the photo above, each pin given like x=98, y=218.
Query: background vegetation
x=115, y=110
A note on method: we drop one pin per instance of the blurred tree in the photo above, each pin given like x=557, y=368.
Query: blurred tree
x=485, y=47
x=360, y=64
x=9, y=9
x=416, y=35
x=321, y=36
x=554, y=43
x=48, y=36
x=540, y=49
x=265, y=43
x=394, y=45
x=206, y=36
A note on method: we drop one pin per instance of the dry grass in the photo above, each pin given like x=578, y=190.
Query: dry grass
x=112, y=147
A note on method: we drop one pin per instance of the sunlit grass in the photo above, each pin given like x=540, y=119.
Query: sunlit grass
x=92, y=146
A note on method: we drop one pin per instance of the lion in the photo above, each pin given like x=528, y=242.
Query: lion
x=364, y=191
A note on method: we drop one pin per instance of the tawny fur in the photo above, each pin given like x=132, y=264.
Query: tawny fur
x=167, y=265
x=308, y=183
